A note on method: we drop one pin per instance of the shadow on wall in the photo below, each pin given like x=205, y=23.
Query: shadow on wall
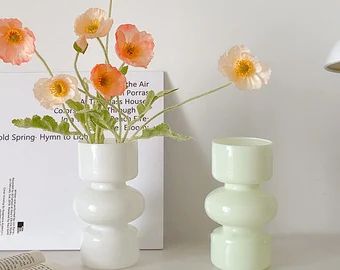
x=185, y=192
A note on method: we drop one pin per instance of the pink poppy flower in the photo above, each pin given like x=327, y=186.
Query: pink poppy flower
x=108, y=80
x=134, y=47
x=16, y=43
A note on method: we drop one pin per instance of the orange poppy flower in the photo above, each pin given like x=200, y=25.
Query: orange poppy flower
x=108, y=80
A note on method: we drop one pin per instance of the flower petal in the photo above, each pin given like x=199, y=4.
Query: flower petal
x=105, y=27
x=265, y=73
x=129, y=31
x=81, y=44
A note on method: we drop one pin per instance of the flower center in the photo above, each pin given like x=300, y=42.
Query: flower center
x=15, y=36
x=244, y=68
x=104, y=81
x=59, y=88
x=131, y=50
x=93, y=27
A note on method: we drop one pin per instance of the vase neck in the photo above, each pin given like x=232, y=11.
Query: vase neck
x=242, y=230
x=241, y=187
x=107, y=186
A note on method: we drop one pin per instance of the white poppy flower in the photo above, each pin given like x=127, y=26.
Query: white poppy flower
x=243, y=69
x=93, y=24
x=56, y=90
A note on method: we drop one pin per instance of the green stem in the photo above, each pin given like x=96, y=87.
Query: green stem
x=176, y=106
x=44, y=62
x=120, y=113
x=119, y=118
x=128, y=128
x=108, y=35
x=114, y=132
x=86, y=128
x=127, y=118
x=97, y=135
x=97, y=106
x=75, y=65
x=72, y=124
x=104, y=50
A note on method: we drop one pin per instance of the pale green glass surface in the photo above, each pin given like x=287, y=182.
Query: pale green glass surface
x=241, y=207
x=233, y=249
x=252, y=208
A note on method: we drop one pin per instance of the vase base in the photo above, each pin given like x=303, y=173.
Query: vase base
x=240, y=249
x=108, y=248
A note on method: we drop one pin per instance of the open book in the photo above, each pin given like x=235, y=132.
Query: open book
x=34, y=260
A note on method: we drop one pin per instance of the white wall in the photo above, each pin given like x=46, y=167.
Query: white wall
x=299, y=110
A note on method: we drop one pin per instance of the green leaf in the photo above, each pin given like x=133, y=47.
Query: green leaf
x=63, y=128
x=86, y=110
x=124, y=70
x=150, y=99
x=75, y=105
x=22, y=123
x=46, y=123
x=80, y=110
x=80, y=117
x=50, y=122
x=38, y=123
x=144, y=107
x=97, y=120
x=103, y=119
x=162, y=130
x=140, y=108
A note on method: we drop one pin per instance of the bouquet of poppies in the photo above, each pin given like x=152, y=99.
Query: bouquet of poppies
x=73, y=94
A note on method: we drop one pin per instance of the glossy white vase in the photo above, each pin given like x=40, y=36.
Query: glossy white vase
x=108, y=204
x=241, y=207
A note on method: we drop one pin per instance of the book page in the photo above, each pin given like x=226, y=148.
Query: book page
x=22, y=261
x=43, y=266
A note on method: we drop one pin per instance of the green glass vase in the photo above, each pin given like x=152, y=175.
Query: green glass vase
x=241, y=207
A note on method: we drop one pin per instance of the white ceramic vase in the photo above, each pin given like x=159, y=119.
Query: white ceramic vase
x=241, y=207
x=108, y=204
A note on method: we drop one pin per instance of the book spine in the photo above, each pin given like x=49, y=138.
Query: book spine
x=22, y=261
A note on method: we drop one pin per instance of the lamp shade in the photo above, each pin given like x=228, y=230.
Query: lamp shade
x=333, y=60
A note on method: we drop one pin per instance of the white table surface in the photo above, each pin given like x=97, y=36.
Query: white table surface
x=313, y=252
